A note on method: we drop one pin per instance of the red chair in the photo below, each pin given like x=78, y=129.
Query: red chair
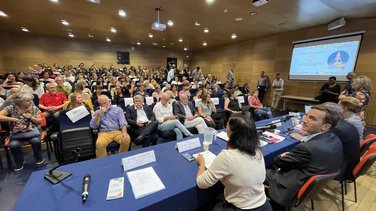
x=366, y=143
x=43, y=138
x=365, y=163
x=311, y=187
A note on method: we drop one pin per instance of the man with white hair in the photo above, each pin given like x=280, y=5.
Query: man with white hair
x=52, y=102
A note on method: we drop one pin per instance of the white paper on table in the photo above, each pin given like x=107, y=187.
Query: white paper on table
x=115, y=188
x=273, y=137
x=263, y=143
x=77, y=113
x=144, y=182
x=149, y=100
x=241, y=99
x=223, y=135
x=188, y=144
x=208, y=156
x=137, y=160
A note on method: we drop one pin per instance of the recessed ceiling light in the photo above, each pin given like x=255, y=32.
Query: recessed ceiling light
x=180, y=40
x=54, y=1
x=204, y=44
x=206, y=30
x=233, y=36
x=2, y=14
x=113, y=30
x=108, y=39
x=170, y=23
x=210, y=1
x=253, y=13
x=150, y=35
x=171, y=43
x=187, y=56
x=163, y=46
x=94, y=1
x=70, y=34
x=90, y=35
x=24, y=29
x=197, y=23
x=122, y=13
x=154, y=43
x=138, y=43
x=238, y=19
x=185, y=49
x=225, y=11
x=64, y=22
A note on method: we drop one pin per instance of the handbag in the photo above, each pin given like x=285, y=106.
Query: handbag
x=25, y=135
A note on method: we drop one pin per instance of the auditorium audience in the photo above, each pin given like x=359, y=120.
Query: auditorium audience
x=112, y=126
x=11, y=81
x=32, y=86
x=64, y=87
x=240, y=168
x=75, y=100
x=51, y=103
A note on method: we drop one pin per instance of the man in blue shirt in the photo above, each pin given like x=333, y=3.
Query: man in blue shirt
x=110, y=121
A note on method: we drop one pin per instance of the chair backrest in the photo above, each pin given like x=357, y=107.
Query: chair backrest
x=366, y=161
x=44, y=120
x=313, y=185
x=125, y=102
x=366, y=143
x=36, y=100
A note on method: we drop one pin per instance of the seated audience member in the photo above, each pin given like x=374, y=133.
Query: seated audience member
x=62, y=86
x=76, y=100
x=233, y=106
x=117, y=94
x=98, y=90
x=245, y=89
x=255, y=103
x=157, y=92
x=207, y=110
x=24, y=118
x=67, y=77
x=174, y=91
x=362, y=91
x=330, y=91
x=52, y=102
x=348, y=90
x=346, y=132
x=240, y=168
x=112, y=126
x=166, y=119
x=32, y=86
x=217, y=91
x=148, y=85
x=198, y=94
x=9, y=101
x=143, y=122
x=11, y=81
x=320, y=152
x=46, y=77
x=140, y=90
x=79, y=89
x=351, y=108
x=185, y=89
x=187, y=115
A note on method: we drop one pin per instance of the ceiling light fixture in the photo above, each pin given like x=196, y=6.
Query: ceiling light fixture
x=197, y=23
x=90, y=35
x=170, y=23
x=210, y=1
x=233, y=36
x=150, y=35
x=64, y=22
x=185, y=49
x=94, y=1
x=138, y=43
x=157, y=25
x=113, y=30
x=253, y=13
x=205, y=43
x=54, y=1
x=180, y=40
x=2, y=14
x=154, y=43
x=24, y=29
x=70, y=34
x=108, y=39
x=258, y=3
x=206, y=30
x=163, y=46
x=238, y=19
x=122, y=13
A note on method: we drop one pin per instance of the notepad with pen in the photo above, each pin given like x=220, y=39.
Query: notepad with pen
x=271, y=137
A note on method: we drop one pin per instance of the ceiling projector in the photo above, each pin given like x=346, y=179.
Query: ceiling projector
x=157, y=25
x=258, y=3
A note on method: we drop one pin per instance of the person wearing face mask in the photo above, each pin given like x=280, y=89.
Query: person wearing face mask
x=112, y=126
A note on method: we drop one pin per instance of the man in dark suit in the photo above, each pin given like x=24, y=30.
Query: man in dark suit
x=187, y=114
x=143, y=122
x=349, y=137
x=319, y=153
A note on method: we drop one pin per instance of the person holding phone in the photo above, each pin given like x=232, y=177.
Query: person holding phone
x=112, y=126
x=240, y=168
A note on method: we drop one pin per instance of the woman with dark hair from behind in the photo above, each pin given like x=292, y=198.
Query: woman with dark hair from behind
x=32, y=86
x=240, y=168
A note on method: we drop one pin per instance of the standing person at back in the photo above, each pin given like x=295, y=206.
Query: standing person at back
x=262, y=85
x=277, y=85
x=319, y=153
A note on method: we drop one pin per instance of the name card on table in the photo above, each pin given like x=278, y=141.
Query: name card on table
x=188, y=144
x=223, y=135
x=138, y=160
x=77, y=113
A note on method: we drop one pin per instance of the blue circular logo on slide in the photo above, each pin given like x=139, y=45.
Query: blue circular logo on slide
x=338, y=60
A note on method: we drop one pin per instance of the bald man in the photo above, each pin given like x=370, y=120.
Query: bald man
x=110, y=121
x=166, y=119
x=187, y=114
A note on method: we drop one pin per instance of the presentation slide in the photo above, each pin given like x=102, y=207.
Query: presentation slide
x=318, y=60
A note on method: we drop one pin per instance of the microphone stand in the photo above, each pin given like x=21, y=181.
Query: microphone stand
x=54, y=176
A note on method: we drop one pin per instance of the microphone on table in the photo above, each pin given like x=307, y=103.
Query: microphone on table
x=267, y=127
x=85, y=187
